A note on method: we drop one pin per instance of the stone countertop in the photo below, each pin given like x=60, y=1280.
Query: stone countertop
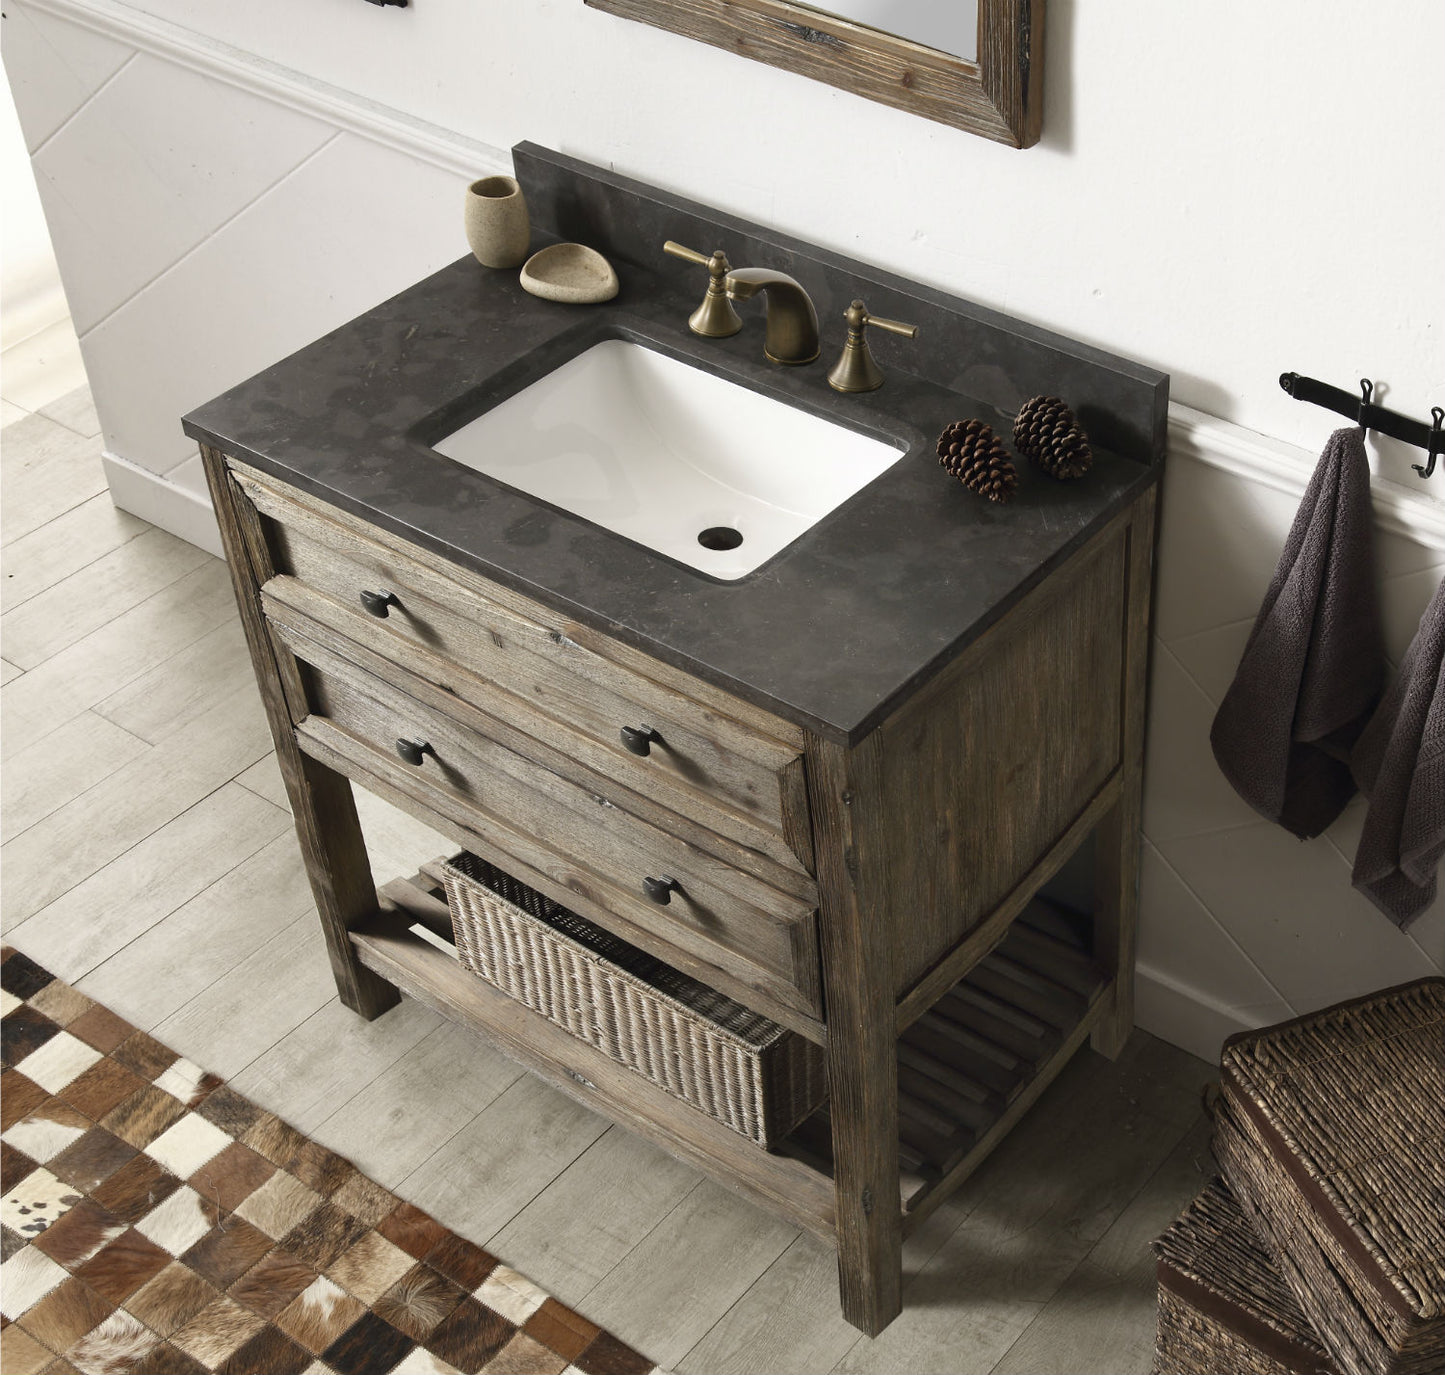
x=831, y=633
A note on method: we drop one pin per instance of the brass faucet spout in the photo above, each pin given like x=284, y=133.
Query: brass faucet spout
x=792, y=329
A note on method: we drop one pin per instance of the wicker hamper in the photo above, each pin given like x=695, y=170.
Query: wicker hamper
x=1331, y=1133
x=1222, y=1304
x=711, y=1052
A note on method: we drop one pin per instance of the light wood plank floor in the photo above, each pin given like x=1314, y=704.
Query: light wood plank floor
x=148, y=858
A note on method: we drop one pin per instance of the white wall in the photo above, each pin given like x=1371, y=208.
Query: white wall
x=30, y=294
x=1226, y=192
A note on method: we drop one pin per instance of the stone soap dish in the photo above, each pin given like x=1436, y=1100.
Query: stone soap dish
x=571, y=273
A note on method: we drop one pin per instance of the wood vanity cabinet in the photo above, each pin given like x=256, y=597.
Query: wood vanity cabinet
x=867, y=895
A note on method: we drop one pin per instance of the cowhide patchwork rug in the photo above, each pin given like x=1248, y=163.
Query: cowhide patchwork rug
x=157, y=1223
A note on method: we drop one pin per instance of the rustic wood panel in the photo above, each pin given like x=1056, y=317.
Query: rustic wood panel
x=526, y=858
x=326, y=825
x=620, y=846
x=847, y=800
x=988, y=932
x=929, y=838
x=1116, y=901
x=732, y=781
x=718, y=906
x=450, y=689
x=780, y=1183
x=705, y=760
x=261, y=560
x=1011, y=64
x=987, y=766
x=565, y=644
x=999, y=96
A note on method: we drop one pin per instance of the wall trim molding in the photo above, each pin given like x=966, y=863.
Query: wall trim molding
x=1186, y=1017
x=1287, y=468
x=175, y=509
x=344, y=109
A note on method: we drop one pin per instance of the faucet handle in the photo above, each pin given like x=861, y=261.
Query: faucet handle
x=878, y=322
x=855, y=370
x=691, y=255
x=715, y=318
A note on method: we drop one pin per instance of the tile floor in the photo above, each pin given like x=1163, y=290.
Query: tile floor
x=148, y=859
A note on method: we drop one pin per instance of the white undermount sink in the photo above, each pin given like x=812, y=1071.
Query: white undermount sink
x=693, y=466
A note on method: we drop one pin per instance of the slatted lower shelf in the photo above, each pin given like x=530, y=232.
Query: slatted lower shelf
x=973, y=1064
x=967, y=1069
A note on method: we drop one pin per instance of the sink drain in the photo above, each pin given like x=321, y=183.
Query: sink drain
x=720, y=537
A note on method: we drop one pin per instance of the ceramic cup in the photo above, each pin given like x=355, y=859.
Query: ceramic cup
x=498, y=229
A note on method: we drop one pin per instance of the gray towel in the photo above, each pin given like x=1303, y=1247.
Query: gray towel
x=1399, y=763
x=1315, y=660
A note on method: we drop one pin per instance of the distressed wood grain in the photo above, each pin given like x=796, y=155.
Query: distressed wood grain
x=998, y=95
x=716, y=906
x=321, y=802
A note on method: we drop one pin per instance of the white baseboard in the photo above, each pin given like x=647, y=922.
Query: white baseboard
x=1185, y=1017
x=176, y=509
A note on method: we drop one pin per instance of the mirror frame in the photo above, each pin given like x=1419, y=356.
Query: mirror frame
x=999, y=95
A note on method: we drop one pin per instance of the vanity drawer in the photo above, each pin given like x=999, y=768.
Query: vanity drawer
x=719, y=915
x=520, y=663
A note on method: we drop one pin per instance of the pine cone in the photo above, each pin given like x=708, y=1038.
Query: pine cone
x=1049, y=433
x=975, y=455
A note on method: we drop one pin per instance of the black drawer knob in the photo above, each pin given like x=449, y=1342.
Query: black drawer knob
x=639, y=740
x=414, y=751
x=660, y=890
x=379, y=603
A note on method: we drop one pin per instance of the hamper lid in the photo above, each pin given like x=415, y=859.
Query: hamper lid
x=1211, y=1258
x=1351, y=1102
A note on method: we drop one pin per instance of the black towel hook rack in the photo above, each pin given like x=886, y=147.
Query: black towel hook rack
x=1367, y=389
x=1368, y=416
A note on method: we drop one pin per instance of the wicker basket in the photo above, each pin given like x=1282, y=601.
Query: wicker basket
x=1331, y=1132
x=707, y=1050
x=1222, y=1303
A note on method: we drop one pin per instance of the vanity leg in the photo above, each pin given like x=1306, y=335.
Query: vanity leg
x=1116, y=905
x=321, y=801
x=1117, y=840
x=862, y=1047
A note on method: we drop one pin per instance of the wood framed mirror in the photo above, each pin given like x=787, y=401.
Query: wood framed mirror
x=996, y=92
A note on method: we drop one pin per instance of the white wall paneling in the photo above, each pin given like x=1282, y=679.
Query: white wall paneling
x=150, y=166
x=227, y=182
x=55, y=67
x=51, y=83
x=352, y=225
x=132, y=30
x=1241, y=923
x=29, y=279
x=1412, y=510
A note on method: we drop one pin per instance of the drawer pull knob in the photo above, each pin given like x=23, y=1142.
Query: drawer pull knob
x=660, y=890
x=639, y=740
x=414, y=751
x=379, y=603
